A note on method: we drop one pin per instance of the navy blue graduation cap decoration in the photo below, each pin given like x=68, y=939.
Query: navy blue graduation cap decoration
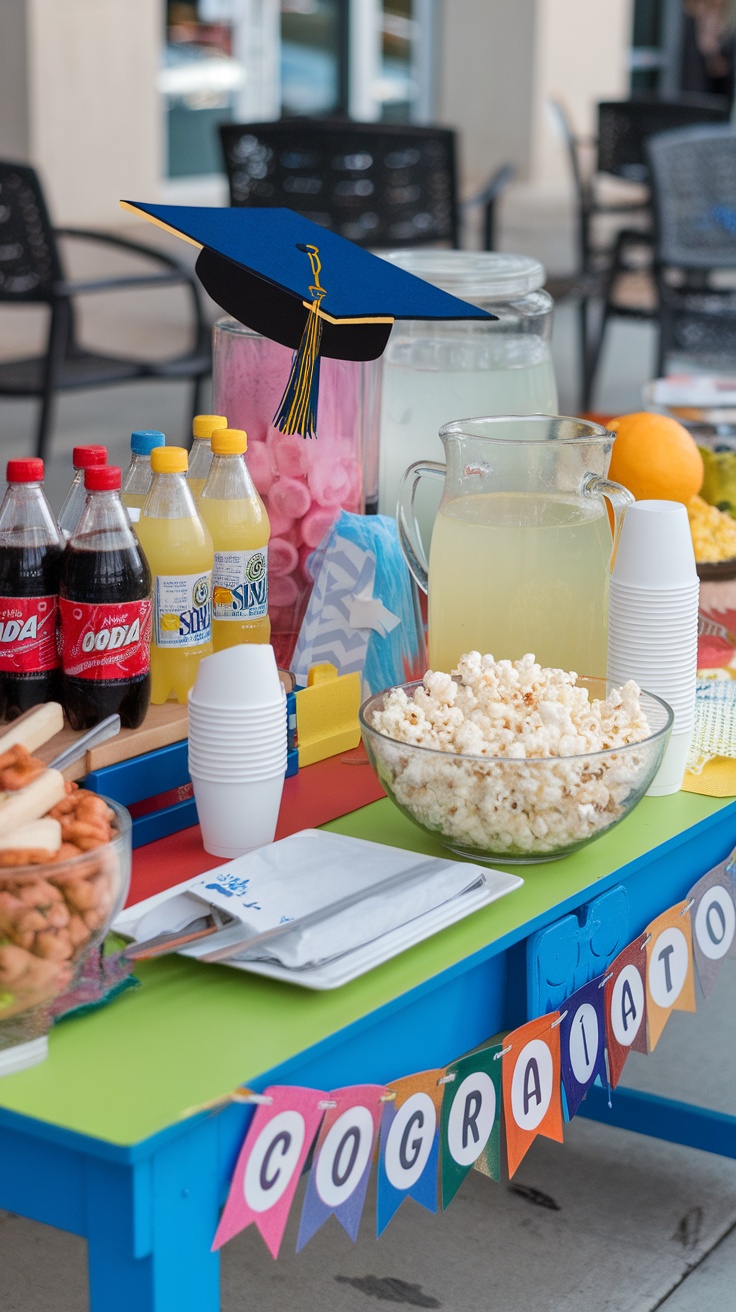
x=304, y=286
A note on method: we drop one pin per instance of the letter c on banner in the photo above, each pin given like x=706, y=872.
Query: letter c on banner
x=531, y=1085
x=471, y=1118
x=273, y=1160
x=715, y=923
x=409, y=1141
x=344, y=1156
x=627, y=1006
x=668, y=965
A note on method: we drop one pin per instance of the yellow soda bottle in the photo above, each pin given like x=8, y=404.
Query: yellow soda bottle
x=179, y=551
x=200, y=456
x=237, y=519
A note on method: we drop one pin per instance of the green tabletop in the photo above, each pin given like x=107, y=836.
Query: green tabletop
x=193, y=1032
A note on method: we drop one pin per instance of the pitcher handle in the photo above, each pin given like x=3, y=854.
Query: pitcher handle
x=619, y=498
x=409, y=535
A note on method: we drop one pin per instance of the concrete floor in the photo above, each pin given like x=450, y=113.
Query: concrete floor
x=609, y=1221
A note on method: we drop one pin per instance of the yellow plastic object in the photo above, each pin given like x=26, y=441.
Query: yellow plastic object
x=327, y=714
x=169, y=460
x=229, y=442
x=206, y=425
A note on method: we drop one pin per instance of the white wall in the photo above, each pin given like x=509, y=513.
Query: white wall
x=14, y=125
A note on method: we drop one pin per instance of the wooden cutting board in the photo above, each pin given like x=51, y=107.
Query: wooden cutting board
x=163, y=725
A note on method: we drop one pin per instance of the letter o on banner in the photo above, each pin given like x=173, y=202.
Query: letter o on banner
x=531, y=1085
x=471, y=1118
x=715, y=923
x=409, y=1141
x=344, y=1156
x=273, y=1160
x=668, y=965
x=627, y=1005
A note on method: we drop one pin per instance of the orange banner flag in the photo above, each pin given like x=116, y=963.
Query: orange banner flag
x=531, y=1086
x=670, y=977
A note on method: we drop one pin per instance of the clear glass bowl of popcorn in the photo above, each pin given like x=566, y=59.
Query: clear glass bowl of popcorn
x=52, y=915
x=511, y=808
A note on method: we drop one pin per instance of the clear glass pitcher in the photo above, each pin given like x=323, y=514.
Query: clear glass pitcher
x=522, y=545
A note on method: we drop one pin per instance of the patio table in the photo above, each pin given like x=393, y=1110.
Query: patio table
x=102, y=1139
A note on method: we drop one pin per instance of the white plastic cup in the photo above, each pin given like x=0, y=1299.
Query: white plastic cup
x=199, y=708
x=245, y=675
x=655, y=548
x=671, y=772
x=215, y=772
x=237, y=817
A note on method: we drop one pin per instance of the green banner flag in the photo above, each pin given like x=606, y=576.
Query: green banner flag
x=471, y=1119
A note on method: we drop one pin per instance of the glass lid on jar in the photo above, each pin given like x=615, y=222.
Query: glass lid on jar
x=473, y=275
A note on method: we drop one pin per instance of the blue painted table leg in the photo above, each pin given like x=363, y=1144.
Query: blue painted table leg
x=663, y=1118
x=150, y=1227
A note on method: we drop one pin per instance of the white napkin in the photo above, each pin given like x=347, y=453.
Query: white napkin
x=299, y=875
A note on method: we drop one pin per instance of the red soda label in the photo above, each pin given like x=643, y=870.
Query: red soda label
x=107, y=641
x=28, y=635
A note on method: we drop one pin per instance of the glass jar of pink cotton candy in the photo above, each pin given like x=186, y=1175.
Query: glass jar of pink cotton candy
x=304, y=482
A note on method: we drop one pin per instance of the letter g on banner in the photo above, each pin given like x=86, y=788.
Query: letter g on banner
x=409, y=1141
x=409, y=1155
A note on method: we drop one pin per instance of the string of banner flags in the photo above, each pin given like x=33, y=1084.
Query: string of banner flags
x=430, y=1129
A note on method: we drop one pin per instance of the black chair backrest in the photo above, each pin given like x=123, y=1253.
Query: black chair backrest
x=378, y=184
x=29, y=256
x=624, y=127
x=693, y=178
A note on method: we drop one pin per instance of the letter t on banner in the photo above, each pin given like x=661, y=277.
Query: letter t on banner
x=342, y=1160
x=670, y=979
x=407, y=1163
x=267, y=1172
x=531, y=1086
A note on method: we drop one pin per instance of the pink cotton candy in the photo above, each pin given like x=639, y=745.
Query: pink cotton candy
x=331, y=482
x=282, y=556
x=290, y=453
x=260, y=467
x=290, y=497
x=282, y=590
x=305, y=555
x=282, y=526
x=314, y=525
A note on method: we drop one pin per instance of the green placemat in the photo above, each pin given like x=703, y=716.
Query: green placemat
x=193, y=1032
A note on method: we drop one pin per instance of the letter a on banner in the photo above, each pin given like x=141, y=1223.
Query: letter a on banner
x=531, y=1086
x=625, y=995
x=407, y=1163
x=471, y=1119
x=582, y=1043
x=270, y=1163
x=670, y=980
x=713, y=922
x=343, y=1156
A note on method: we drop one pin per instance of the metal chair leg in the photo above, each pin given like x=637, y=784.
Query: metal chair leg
x=57, y=342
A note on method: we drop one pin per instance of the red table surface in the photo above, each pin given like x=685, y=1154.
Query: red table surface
x=313, y=796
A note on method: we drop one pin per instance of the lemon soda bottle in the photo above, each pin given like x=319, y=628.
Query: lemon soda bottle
x=179, y=550
x=200, y=455
x=237, y=519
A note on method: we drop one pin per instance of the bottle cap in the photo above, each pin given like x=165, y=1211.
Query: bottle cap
x=229, y=442
x=25, y=471
x=143, y=440
x=169, y=460
x=102, y=478
x=84, y=457
x=206, y=425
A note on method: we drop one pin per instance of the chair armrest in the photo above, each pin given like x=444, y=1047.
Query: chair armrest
x=65, y=289
x=124, y=243
x=498, y=182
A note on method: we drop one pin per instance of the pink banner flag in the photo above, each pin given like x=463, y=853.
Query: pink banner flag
x=271, y=1159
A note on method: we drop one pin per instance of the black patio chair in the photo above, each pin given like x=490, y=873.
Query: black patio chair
x=380, y=185
x=31, y=272
x=693, y=179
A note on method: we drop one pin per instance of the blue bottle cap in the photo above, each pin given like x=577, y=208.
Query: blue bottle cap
x=144, y=440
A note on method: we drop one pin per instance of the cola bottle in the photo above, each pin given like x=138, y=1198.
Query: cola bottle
x=83, y=457
x=105, y=611
x=30, y=557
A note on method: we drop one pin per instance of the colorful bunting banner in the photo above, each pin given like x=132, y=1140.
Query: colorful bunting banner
x=471, y=1119
x=625, y=1000
x=583, y=1043
x=713, y=921
x=270, y=1163
x=342, y=1161
x=531, y=1086
x=459, y=1108
x=670, y=980
x=407, y=1163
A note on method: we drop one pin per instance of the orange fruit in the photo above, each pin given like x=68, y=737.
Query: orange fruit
x=655, y=457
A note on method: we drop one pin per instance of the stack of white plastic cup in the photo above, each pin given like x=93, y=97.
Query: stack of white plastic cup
x=237, y=748
x=653, y=621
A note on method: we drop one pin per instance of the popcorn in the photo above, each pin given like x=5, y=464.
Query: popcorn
x=528, y=797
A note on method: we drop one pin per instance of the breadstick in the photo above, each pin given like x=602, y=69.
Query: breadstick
x=43, y=834
x=31, y=802
x=35, y=729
